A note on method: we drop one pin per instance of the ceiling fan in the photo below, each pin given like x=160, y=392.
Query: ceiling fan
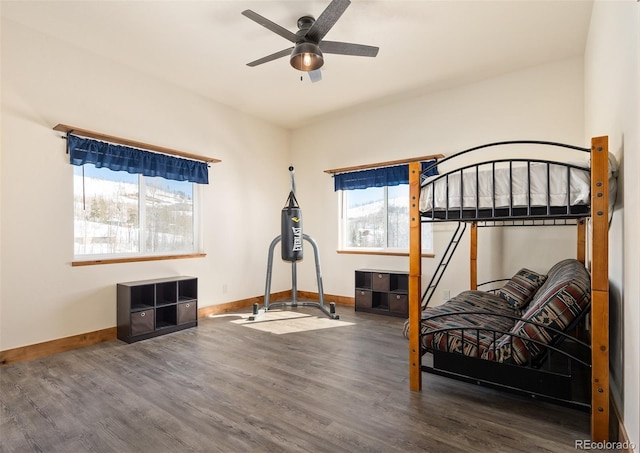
x=306, y=54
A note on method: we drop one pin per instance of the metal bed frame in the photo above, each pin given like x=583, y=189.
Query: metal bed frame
x=591, y=363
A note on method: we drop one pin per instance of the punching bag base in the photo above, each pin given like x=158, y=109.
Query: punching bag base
x=330, y=312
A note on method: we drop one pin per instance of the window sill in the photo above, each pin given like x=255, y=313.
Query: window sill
x=136, y=259
x=380, y=252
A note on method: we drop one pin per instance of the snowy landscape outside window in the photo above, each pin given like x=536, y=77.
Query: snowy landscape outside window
x=121, y=214
x=377, y=219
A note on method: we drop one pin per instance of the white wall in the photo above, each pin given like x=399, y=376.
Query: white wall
x=45, y=82
x=544, y=102
x=612, y=105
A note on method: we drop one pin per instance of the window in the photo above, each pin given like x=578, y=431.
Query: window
x=133, y=201
x=377, y=218
x=118, y=214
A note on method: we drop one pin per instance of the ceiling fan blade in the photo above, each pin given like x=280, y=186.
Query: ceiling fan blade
x=266, y=23
x=315, y=76
x=327, y=19
x=273, y=56
x=347, y=48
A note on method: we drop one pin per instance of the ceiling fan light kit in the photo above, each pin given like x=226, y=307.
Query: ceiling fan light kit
x=307, y=54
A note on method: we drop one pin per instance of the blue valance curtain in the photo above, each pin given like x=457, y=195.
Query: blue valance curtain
x=379, y=177
x=123, y=158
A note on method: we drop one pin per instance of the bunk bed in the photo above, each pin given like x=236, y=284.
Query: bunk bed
x=513, y=192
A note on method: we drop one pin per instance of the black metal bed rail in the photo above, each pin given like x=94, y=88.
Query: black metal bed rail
x=503, y=143
x=558, y=336
x=510, y=212
x=529, y=222
x=491, y=282
x=496, y=335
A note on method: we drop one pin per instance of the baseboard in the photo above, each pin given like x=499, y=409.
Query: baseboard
x=39, y=350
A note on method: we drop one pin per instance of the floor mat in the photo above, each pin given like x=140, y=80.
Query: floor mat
x=284, y=321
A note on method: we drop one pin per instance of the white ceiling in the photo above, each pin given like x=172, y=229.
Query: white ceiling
x=425, y=45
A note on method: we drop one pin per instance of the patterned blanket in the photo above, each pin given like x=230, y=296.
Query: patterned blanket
x=489, y=326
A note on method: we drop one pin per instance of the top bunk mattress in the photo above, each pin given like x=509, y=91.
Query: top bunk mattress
x=511, y=190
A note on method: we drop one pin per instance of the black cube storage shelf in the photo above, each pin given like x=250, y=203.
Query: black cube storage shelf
x=148, y=308
x=382, y=291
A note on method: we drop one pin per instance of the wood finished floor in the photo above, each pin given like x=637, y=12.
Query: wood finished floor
x=222, y=387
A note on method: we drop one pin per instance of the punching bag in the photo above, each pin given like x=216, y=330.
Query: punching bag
x=291, y=230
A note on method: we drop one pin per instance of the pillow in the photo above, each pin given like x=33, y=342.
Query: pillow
x=521, y=288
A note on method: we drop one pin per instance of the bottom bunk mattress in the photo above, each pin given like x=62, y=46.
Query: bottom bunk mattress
x=515, y=325
x=451, y=328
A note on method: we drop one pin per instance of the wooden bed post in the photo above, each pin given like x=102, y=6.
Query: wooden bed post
x=473, y=271
x=599, y=289
x=415, y=275
x=582, y=241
